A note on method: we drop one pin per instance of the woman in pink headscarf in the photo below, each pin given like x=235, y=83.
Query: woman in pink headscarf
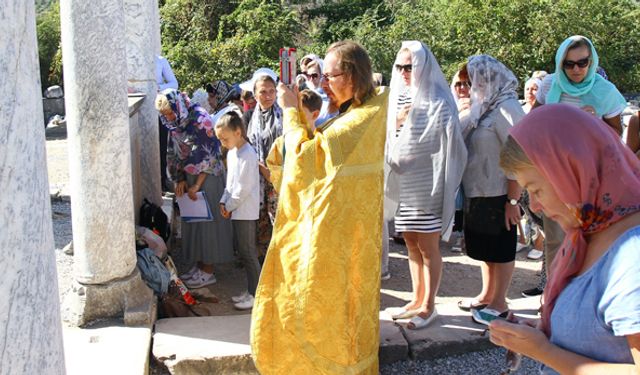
x=590, y=185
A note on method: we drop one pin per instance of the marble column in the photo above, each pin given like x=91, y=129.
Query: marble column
x=142, y=32
x=30, y=328
x=95, y=78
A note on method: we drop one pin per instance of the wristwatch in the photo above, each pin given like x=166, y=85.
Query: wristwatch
x=513, y=202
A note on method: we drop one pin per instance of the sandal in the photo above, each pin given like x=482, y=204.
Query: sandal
x=419, y=322
x=401, y=312
x=470, y=303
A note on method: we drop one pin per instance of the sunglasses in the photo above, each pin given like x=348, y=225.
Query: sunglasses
x=582, y=63
x=461, y=84
x=312, y=75
x=404, y=68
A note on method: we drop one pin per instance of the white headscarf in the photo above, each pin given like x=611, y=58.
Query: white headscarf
x=533, y=81
x=250, y=84
x=314, y=57
x=200, y=96
x=491, y=84
x=429, y=154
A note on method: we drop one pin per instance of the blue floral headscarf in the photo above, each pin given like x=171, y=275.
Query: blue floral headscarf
x=180, y=104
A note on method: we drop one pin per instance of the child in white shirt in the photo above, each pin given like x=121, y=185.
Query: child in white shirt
x=241, y=201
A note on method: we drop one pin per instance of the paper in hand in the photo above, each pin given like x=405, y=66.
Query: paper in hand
x=194, y=211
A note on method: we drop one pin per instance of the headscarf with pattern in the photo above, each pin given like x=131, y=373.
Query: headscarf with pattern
x=492, y=83
x=180, y=104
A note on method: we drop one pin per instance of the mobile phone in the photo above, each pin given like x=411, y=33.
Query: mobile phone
x=489, y=317
x=287, y=65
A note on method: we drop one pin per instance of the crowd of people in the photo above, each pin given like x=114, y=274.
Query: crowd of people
x=306, y=180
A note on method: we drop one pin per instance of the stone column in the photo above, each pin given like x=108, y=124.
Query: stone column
x=30, y=328
x=142, y=32
x=95, y=70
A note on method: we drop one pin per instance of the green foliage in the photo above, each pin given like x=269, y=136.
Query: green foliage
x=246, y=38
x=207, y=40
x=50, y=55
x=522, y=34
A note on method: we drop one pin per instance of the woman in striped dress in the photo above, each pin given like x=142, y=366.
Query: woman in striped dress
x=426, y=156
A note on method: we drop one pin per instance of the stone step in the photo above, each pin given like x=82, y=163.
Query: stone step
x=106, y=349
x=220, y=344
x=204, y=345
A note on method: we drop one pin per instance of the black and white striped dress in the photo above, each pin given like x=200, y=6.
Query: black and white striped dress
x=410, y=219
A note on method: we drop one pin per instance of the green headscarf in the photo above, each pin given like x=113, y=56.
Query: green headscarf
x=594, y=90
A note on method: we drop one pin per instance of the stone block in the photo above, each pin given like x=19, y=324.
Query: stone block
x=87, y=303
x=453, y=332
x=107, y=349
x=53, y=92
x=393, y=346
x=204, y=345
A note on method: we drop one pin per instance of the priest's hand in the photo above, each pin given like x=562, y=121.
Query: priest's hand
x=287, y=98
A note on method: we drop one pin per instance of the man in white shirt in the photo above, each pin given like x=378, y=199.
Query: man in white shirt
x=164, y=75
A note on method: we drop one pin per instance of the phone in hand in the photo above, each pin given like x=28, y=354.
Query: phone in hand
x=288, y=65
x=489, y=317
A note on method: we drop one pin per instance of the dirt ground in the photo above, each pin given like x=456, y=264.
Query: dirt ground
x=460, y=279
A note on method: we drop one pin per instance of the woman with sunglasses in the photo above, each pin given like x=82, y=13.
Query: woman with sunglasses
x=461, y=90
x=426, y=157
x=590, y=185
x=311, y=66
x=576, y=82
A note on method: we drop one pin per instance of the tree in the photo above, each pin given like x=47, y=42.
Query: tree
x=249, y=36
x=523, y=35
x=49, y=51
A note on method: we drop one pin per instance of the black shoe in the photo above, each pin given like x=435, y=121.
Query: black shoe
x=532, y=292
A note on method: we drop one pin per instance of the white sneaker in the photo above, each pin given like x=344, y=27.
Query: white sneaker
x=247, y=304
x=241, y=298
x=535, y=254
x=201, y=279
x=188, y=275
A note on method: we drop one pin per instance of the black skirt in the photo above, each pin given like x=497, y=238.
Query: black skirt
x=486, y=238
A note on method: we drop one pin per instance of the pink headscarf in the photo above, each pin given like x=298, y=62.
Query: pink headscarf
x=593, y=173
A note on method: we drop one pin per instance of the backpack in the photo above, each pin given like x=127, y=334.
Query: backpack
x=152, y=217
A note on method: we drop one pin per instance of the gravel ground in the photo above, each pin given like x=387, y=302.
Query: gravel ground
x=61, y=215
x=489, y=362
